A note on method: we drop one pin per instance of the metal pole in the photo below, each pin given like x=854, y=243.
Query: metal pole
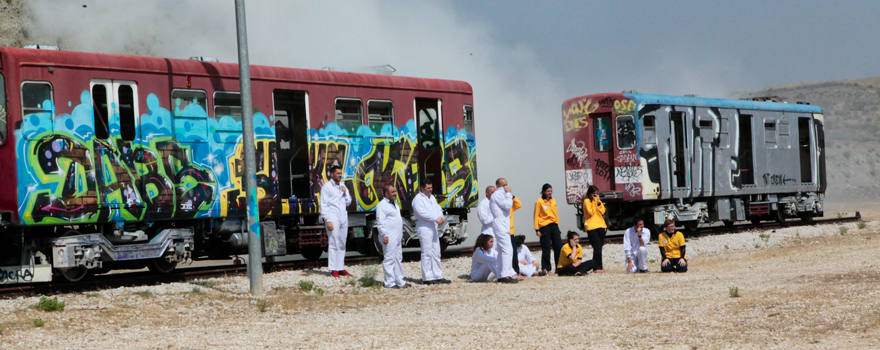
x=255, y=255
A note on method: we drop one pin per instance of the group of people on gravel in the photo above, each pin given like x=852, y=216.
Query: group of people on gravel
x=499, y=254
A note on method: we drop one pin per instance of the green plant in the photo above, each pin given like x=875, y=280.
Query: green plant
x=652, y=261
x=306, y=285
x=368, y=280
x=764, y=237
x=53, y=304
x=263, y=305
x=734, y=292
x=861, y=225
x=92, y=295
x=39, y=322
x=2, y=329
x=319, y=291
x=842, y=215
x=198, y=291
x=757, y=245
x=843, y=230
x=351, y=281
x=726, y=247
x=144, y=293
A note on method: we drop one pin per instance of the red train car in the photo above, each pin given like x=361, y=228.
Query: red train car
x=124, y=162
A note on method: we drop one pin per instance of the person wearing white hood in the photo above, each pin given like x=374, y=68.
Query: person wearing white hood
x=429, y=215
x=334, y=199
x=390, y=226
x=528, y=265
x=634, y=240
x=484, y=264
x=502, y=201
x=484, y=212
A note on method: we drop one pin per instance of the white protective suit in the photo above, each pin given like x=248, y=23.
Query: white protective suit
x=334, y=199
x=427, y=212
x=523, y=254
x=484, y=213
x=634, y=250
x=390, y=224
x=501, y=204
x=484, y=266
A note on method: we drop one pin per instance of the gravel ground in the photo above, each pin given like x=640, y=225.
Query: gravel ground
x=793, y=294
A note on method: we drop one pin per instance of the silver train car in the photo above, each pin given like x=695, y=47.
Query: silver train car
x=694, y=160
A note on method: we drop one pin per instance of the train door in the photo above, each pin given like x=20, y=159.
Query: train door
x=804, y=149
x=292, y=144
x=115, y=107
x=604, y=158
x=430, y=143
x=678, y=155
x=744, y=152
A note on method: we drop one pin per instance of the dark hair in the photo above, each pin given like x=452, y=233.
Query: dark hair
x=333, y=168
x=667, y=222
x=385, y=188
x=483, y=243
x=520, y=239
x=592, y=189
x=636, y=221
x=425, y=182
x=573, y=234
x=544, y=189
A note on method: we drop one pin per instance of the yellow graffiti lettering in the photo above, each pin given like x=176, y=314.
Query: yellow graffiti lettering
x=624, y=106
x=580, y=108
x=576, y=124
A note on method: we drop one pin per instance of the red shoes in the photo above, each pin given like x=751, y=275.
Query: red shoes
x=334, y=274
x=344, y=273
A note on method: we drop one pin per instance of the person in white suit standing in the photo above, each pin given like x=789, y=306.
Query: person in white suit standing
x=390, y=226
x=502, y=201
x=334, y=200
x=484, y=212
x=429, y=215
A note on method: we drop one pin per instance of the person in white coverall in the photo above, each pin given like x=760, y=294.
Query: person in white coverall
x=528, y=265
x=502, y=201
x=484, y=265
x=390, y=226
x=634, y=240
x=484, y=212
x=429, y=215
x=334, y=199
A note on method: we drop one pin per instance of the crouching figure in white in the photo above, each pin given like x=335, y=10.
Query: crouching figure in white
x=634, y=240
x=484, y=265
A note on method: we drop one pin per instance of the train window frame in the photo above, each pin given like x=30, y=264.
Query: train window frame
x=219, y=95
x=188, y=122
x=649, y=132
x=104, y=131
x=783, y=130
x=723, y=131
x=25, y=111
x=345, y=119
x=596, y=144
x=468, y=120
x=4, y=127
x=127, y=123
x=380, y=120
x=770, y=133
x=631, y=133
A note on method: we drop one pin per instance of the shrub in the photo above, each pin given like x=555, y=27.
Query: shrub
x=39, y=322
x=734, y=292
x=263, y=306
x=198, y=291
x=841, y=215
x=319, y=291
x=53, y=304
x=862, y=225
x=306, y=285
x=2, y=329
x=368, y=280
x=764, y=237
x=843, y=230
x=144, y=293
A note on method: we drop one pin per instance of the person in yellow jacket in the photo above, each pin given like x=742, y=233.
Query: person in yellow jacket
x=595, y=225
x=673, y=251
x=516, y=205
x=547, y=228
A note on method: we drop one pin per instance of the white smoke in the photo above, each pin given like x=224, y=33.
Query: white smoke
x=517, y=104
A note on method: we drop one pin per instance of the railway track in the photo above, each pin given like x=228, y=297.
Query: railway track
x=187, y=274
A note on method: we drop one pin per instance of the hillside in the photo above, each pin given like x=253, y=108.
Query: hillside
x=852, y=115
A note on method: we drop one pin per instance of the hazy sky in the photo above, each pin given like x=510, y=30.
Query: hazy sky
x=523, y=58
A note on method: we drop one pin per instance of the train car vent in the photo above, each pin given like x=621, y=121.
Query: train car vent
x=43, y=47
x=203, y=59
x=803, y=103
x=691, y=95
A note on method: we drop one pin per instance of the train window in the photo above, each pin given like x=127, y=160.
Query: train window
x=189, y=109
x=34, y=96
x=349, y=114
x=2, y=108
x=126, y=112
x=784, y=134
x=626, y=132
x=770, y=133
x=602, y=134
x=379, y=114
x=100, y=110
x=227, y=104
x=469, y=121
x=724, y=131
x=649, y=130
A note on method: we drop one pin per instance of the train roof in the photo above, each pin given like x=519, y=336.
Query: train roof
x=647, y=99
x=83, y=60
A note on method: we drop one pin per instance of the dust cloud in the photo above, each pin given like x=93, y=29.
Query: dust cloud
x=517, y=104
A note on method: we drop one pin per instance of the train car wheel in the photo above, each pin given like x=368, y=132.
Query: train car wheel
x=443, y=245
x=311, y=253
x=161, y=266
x=780, y=216
x=755, y=222
x=75, y=274
x=728, y=223
x=691, y=226
x=806, y=216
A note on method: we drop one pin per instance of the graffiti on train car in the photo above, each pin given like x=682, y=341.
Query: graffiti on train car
x=576, y=115
x=371, y=160
x=68, y=175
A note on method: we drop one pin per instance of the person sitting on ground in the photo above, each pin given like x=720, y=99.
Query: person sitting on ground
x=634, y=240
x=528, y=265
x=672, y=249
x=484, y=264
x=570, y=258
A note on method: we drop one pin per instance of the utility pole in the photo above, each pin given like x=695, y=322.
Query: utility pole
x=255, y=255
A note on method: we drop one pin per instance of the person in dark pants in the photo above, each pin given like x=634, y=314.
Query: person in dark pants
x=516, y=205
x=673, y=252
x=595, y=225
x=571, y=261
x=547, y=228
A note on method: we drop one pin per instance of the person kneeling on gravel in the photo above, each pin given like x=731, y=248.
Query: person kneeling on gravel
x=672, y=249
x=528, y=265
x=484, y=264
x=570, y=258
